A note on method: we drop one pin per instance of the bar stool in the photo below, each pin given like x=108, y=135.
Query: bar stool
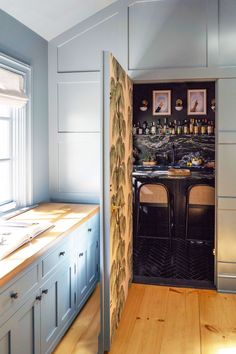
x=153, y=195
x=198, y=196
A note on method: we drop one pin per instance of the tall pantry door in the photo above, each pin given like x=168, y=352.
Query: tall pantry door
x=116, y=203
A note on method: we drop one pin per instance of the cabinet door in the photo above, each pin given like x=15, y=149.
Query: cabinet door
x=82, y=284
x=66, y=305
x=49, y=313
x=92, y=259
x=21, y=334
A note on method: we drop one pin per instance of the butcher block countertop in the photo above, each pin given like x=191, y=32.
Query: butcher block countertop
x=64, y=217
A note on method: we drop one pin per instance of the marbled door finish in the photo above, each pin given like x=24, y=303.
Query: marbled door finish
x=162, y=147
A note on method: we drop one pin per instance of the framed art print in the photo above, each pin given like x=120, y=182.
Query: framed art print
x=161, y=103
x=197, y=102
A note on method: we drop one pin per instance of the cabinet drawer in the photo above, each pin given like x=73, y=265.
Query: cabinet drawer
x=15, y=293
x=226, y=284
x=87, y=230
x=56, y=257
x=228, y=269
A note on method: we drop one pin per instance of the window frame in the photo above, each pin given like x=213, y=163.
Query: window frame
x=22, y=191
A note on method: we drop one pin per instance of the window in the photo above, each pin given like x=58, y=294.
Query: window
x=15, y=135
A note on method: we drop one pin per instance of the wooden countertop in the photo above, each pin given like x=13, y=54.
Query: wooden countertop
x=65, y=218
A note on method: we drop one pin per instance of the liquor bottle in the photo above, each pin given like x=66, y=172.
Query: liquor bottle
x=186, y=129
x=179, y=128
x=135, y=129
x=140, y=129
x=210, y=128
x=147, y=130
x=144, y=125
x=159, y=127
x=165, y=126
x=203, y=127
x=153, y=128
x=191, y=126
x=173, y=127
x=195, y=127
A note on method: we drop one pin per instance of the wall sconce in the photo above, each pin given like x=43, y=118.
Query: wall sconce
x=179, y=105
x=213, y=104
x=144, y=105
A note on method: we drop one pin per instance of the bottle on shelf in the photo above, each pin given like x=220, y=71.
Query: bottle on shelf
x=174, y=128
x=139, y=129
x=147, y=130
x=144, y=126
x=210, y=128
x=165, y=126
x=179, y=128
x=186, y=128
x=191, y=124
x=135, y=129
x=203, y=127
x=159, y=127
x=153, y=128
x=195, y=127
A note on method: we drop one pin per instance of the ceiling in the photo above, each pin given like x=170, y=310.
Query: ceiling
x=50, y=18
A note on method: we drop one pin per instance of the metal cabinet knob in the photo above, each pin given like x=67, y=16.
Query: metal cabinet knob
x=45, y=291
x=89, y=230
x=39, y=297
x=62, y=253
x=14, y=295
x=81, y=254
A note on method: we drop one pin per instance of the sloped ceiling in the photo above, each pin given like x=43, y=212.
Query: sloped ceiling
x=49, y=18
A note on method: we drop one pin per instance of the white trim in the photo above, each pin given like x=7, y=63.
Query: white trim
x=25, y=122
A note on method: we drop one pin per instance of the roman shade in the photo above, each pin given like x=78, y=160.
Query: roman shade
x=12, y=89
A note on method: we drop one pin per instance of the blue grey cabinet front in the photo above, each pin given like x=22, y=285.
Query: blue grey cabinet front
x=57, y=306
x=21, y=333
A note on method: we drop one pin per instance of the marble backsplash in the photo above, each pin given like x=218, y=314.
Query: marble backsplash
x=185, y=147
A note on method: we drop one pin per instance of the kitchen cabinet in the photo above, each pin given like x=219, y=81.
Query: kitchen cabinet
x=87, y=259
x=21, y=333
x=61, y=280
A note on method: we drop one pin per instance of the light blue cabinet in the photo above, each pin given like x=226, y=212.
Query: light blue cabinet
x=87, y=259
x=61, y=281
x=21, y=333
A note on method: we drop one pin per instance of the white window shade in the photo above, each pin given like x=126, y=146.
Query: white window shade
x=12, y=89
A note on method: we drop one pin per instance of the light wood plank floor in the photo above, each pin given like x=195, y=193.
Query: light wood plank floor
x=160, y=320
x=165, y=320
x=82, y=337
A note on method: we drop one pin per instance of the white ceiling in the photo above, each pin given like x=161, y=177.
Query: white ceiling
x=50, y=18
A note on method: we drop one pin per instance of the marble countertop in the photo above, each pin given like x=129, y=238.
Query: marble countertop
x=162, y=172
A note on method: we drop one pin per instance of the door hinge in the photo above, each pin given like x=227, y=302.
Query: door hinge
x=214, y=251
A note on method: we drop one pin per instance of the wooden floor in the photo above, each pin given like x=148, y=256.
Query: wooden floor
x=165, y=320
x=160, y=320
x=82, y=337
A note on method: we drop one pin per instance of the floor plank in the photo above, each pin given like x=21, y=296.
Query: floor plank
x=218, y=323
x=181, y=331
x=82, y=337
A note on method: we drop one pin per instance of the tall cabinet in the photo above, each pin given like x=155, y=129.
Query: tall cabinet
x=226, y=186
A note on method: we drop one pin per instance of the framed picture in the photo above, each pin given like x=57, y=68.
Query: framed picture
x=197, y=102
x=161, y=103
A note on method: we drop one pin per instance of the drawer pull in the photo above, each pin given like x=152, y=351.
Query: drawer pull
x=89, y=230
x=62, y=253
x=14, y=295
x=81, y=254
x=45, y=291
x=39, y=297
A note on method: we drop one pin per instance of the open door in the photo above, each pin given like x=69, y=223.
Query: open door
x=116, y=203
